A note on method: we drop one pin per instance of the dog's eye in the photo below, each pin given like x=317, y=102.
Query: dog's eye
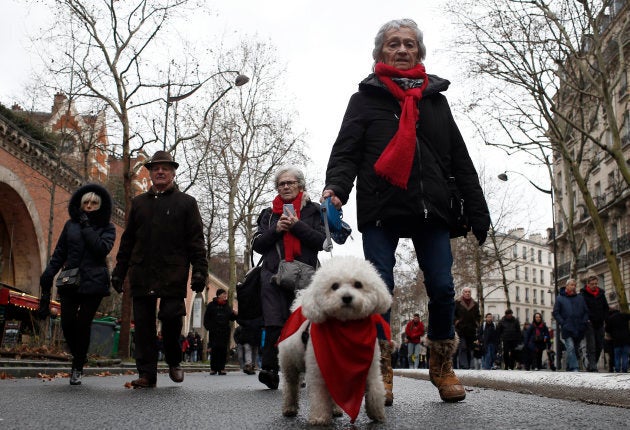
x=334, y=286
x=358, y=284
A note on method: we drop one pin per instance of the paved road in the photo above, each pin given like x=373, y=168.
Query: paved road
x=239, y=401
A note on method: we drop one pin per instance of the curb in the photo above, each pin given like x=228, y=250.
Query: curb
x=608, y=389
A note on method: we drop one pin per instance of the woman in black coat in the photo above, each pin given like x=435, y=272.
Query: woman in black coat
x=217, y=321
x=86, y=239
x=536, y=340
x=298, y=234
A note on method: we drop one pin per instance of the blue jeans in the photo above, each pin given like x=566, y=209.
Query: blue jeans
x=572, y=361
x=621, y=358
x=433, y=250
x=413, y=348
x=489, y=356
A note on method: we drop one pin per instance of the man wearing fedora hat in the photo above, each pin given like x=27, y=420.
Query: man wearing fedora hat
x=162, y=240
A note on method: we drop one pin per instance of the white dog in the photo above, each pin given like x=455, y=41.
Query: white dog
x=335, y=343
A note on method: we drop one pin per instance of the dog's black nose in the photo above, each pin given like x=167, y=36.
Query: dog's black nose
x=347, y=299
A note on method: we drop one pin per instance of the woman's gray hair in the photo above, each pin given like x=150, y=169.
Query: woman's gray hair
x=395, y=24
x=292, y=170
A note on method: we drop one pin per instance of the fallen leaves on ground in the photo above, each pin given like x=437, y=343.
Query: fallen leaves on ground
x=105, y=373
x=128, y=385
x=46, y=377
x=3, y=375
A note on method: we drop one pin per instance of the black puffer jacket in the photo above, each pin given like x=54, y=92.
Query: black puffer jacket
x=370, y=122
x=84, y=247
x=162, y=239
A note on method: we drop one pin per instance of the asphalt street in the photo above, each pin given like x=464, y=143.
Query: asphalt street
x=239, y=401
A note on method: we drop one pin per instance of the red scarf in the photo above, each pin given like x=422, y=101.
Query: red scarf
x=292, y=246
x=395, y=162
x=344, y=351
x=592, y=291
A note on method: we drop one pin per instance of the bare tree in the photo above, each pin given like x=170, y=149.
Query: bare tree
x=110, y=42
x=555, y=66
x=250, y=136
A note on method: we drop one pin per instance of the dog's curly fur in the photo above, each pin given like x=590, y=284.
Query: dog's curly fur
x=344, y=288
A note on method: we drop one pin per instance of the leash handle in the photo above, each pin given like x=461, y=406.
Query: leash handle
x=328, y=245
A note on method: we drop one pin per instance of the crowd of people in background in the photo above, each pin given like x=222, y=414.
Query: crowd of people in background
x=588, y=327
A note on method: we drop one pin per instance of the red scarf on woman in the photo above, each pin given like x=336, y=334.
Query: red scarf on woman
x=292, y=245
x=395, y=162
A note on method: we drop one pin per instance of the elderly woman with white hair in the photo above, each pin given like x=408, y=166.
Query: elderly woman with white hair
x=292, y=229
x=399, y=140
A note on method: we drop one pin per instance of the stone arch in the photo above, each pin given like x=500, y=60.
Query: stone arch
x=20, y=222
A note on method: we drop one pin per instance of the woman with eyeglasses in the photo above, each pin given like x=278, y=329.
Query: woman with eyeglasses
x=86, y=239
x=291, y=229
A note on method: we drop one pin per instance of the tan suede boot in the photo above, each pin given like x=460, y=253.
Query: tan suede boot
x=441, y=369
x=386, y=370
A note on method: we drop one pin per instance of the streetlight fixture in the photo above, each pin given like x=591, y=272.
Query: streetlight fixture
x=239, y=81
x=504, y=177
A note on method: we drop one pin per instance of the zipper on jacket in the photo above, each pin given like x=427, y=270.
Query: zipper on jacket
x=424, y=205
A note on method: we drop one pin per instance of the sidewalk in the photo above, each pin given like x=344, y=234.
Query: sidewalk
x=12, y=368
x=612, y=389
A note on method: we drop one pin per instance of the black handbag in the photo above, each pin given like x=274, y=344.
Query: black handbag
x=248, y=293
x=68, y=280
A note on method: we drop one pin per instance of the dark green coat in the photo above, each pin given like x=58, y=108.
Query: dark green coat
x=162, y=239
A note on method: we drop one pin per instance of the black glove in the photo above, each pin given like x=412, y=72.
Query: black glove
x=198, y=282
x=117, y=283
x=481, y=235
x=83, y=219
x=44, y=306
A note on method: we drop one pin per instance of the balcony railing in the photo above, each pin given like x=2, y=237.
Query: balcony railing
x=595, y=256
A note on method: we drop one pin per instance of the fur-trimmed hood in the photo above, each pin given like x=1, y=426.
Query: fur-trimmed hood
x=99, y=217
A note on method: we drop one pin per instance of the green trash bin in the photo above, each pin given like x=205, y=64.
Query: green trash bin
x=102, y=337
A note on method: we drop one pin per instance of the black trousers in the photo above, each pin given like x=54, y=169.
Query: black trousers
x=144, y=312
x=270, y=350
x=77, y=311
x=509, y=353
x=218, y=353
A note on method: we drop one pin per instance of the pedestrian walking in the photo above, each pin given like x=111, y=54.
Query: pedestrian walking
x=162, y=243
x=619, y=331
x=571, y=313
x=466, y=324
x=597, y=306
x=414, y=331
x=488, y=337
x=217, y=321
x=399, y=141
x=85, y=241
x=509, y=331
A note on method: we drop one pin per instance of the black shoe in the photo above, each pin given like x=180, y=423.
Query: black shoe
x=222, y=373
x=75, y=377
x=176, y=373
x=213, y=372
x=270, y=378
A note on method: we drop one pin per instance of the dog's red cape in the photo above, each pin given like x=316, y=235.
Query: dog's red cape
x=344, y=351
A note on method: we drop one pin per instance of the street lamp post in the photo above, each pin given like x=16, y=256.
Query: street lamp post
x=504, y=177
x=240, y=80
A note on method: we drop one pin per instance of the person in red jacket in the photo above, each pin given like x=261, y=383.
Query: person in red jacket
x=414, y=331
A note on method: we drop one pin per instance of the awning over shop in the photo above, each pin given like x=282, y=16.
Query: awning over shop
x=23, y=300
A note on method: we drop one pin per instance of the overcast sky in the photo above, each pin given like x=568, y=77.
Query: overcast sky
x=326, y=46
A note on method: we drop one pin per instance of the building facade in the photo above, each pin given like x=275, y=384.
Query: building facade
x=580, y=249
